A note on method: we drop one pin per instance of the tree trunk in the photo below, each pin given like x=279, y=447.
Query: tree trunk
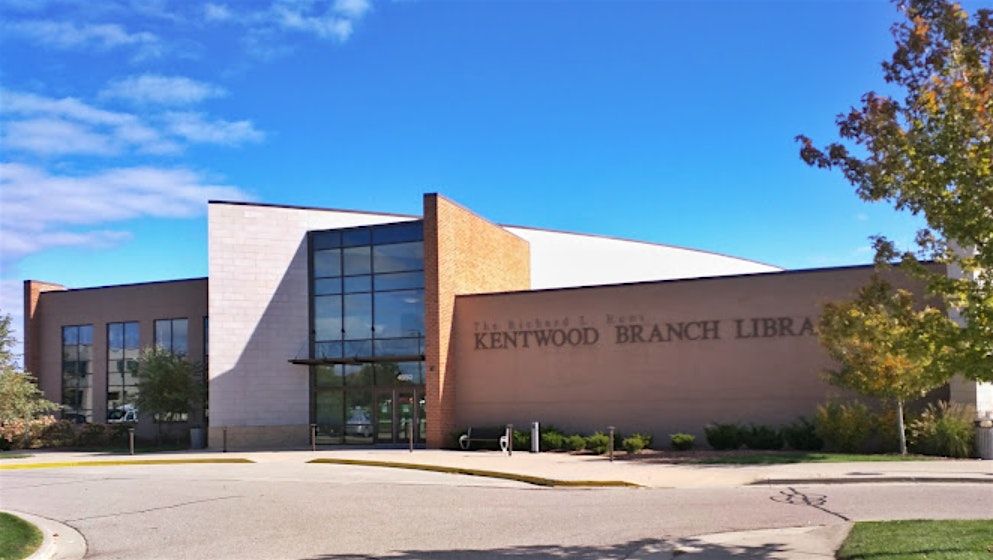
x=900, y=426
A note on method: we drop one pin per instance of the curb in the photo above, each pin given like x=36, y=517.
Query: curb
x=61, y=542
x=872, y=480
x=118, y=463
x=527, y=479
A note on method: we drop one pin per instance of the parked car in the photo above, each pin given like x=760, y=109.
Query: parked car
x=123, y=413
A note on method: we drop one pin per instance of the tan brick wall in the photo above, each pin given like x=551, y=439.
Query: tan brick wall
x=143, y=303
x=32, y=326
x=663, y=386
x=463, y=254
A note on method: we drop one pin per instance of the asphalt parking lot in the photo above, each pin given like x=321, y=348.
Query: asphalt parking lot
x=310, y=511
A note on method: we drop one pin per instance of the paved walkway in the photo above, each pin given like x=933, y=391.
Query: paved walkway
x=564, y=466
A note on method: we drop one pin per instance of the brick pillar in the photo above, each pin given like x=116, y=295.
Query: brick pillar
x=32, y=322
x=463, y=254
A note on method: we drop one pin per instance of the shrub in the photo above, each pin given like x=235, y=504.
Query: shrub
x=552, y=440
x=724, y=436
x=58, y=434
x=801, y=435
x=16, y=434
x=92, y=435
x=682, y=442
x=945, y=429
x=634, y=443
x=845, y=428
x=522, y=440
x=761, y=437
x=598, y=443
x=575, y=442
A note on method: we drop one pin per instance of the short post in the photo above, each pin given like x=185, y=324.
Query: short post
x=535, y=438
x=224, y=439
x=410, y=435
x=610, y=443
x=313, y=437
x=131, y=441
x=510, y=439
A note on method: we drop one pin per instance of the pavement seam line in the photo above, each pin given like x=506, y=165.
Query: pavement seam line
x=118, y=463
x=871, y=480
x=527, y=479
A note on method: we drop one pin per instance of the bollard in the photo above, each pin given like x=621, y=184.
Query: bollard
x=510, y=439
x=313, y=437
x=224, y=439
x=610, y=443
x=535, y=438
x=131, y=440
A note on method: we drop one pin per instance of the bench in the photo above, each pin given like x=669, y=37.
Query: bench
x=488, y=435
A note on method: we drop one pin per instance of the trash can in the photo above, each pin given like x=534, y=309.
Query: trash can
x=984, y=437
x=196, y=438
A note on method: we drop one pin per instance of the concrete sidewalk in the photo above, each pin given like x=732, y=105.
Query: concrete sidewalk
x=563, y=466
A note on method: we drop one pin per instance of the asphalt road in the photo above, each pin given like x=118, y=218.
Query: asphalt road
x=306, y=511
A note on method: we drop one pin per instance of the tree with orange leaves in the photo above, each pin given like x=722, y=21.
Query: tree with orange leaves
x=888, y=346
x=930, y=152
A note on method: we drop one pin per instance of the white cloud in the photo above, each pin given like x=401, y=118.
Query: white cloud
x=333, y=20
x=194, y=127
x=50, y=127
x=41, y=210
x=67, y=35
x=163, y=90
x=217, y=12
x=326, y=25
x=55, y=136
x=353, y=9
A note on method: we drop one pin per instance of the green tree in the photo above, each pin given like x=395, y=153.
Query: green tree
x=929, y=150
x=888, y=346
x=169, y=386
x=20, y=398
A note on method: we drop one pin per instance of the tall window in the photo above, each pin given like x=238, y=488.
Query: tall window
x=77, y=373
x=122, y=363
x=368, y=291
x=367, y=304
x=170, y=335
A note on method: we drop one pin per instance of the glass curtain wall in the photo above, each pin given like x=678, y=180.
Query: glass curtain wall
x=367, y=313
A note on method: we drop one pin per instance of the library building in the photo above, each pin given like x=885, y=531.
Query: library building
x=377, y=328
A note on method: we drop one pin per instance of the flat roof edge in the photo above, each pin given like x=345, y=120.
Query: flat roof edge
x=129, y=285
x=317, y=208
x=677, y=280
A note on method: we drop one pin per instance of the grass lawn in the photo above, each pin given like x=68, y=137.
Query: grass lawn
x=919, y=540
x=13, y=455
x=784, y=457
x=18, y=538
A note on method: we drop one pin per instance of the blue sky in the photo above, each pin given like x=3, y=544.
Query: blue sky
x=664, y=121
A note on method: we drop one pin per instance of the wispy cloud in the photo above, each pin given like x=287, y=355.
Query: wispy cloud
x=161, y=90
x=217, y=12
x=42, y=210
x=56, y=127
x=323, y=19
x=195, y=127
x=69, y=35
x=49, y=126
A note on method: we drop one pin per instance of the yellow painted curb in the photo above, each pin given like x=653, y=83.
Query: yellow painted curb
x=64, y=464
x=536, y=480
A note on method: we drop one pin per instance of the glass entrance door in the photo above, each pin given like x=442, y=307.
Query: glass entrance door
x=398, y=411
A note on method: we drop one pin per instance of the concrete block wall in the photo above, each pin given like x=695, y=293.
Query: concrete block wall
x=259, y=319
x=463, y=254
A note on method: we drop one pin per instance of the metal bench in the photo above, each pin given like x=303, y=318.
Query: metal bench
x=481, y=435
